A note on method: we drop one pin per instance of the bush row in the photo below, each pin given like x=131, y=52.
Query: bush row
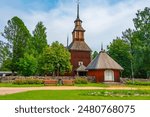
x=81, y=81
x=27, y=81
x=22, y=81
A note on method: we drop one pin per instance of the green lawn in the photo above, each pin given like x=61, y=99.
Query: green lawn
x=16, y=85
x=92, y=85
x=40, y=85
x=79, y=85
x=80, y=95
x=138, y=86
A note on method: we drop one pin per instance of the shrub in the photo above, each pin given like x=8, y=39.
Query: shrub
x=81, y=81
x=19, y=81
x=28, y=81
x=138, y=83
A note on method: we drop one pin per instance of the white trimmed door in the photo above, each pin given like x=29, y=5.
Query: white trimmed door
x=109, y=75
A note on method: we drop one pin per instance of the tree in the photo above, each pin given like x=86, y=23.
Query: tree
x=6, y=65
x=119, y=50
x=94, y=54
x=5, y=56
x=139, y=40
x=39, y=41
x=17, y=35
x=27, y=65
x=129, y=37
x=55, y=58
x=142, y=32
x=46, y=62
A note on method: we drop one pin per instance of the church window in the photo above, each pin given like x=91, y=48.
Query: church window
x=80, y=63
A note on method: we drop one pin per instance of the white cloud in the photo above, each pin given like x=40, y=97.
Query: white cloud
x=102, y=21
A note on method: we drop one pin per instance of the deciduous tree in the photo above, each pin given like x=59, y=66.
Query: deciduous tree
x=55, y=58
x=27, y=65
x=119, y=50
x=17, y=35
x=39, y=41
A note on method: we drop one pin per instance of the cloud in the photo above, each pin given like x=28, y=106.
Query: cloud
x=103, y=20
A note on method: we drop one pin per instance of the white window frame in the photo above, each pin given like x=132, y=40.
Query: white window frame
x=80, y=63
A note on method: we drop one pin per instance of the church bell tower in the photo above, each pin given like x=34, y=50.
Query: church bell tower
x=80, y=51
x=78, y=32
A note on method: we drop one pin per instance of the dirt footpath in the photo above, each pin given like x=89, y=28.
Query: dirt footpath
x=6, y=90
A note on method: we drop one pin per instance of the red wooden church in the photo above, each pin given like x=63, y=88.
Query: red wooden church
x=103, y=67
x=80, y=51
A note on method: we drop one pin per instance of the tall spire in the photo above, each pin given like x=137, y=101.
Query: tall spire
x=102, y=47
x=78, y=32
x=67, y=41
x=78, y=7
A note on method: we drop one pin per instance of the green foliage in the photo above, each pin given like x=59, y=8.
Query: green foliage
x=6, y=65
x=55, y=58
x=27, y=65
x=45, y=63
x=119, y=50
x=22, y=51
x=5, y=56
x=94, y=54
x=23, y=81
x=39, y=41
x=138, y=42
x=17, y=35
x=142, y=34
x=130, y=82
x=81, y=81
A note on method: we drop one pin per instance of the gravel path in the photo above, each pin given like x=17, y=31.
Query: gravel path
x=6, y=90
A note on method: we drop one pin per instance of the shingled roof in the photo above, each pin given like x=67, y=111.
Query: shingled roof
x=103, y=61
x=79, y=45
x=79, y=28
x=81, y=68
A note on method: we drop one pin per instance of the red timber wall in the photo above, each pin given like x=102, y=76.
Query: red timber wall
x=99, y=75
x=76, y=56
x=116, y=75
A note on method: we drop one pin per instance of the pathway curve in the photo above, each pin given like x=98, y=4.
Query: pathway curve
x=6, y=90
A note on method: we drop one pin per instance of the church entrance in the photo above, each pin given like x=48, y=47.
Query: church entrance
x=82, y=73
x=81, y=70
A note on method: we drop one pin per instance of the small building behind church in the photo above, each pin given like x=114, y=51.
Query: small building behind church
x=104, y=68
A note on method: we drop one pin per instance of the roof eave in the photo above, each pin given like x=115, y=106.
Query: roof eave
x=104, y=69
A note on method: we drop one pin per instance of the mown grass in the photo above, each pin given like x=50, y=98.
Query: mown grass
x=80, y=95
x=92, y=85
x=139, y=83
x=138, y=86
x=23, y=85
x=40, y=85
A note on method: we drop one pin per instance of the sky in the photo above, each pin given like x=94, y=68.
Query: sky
x=103, y=20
